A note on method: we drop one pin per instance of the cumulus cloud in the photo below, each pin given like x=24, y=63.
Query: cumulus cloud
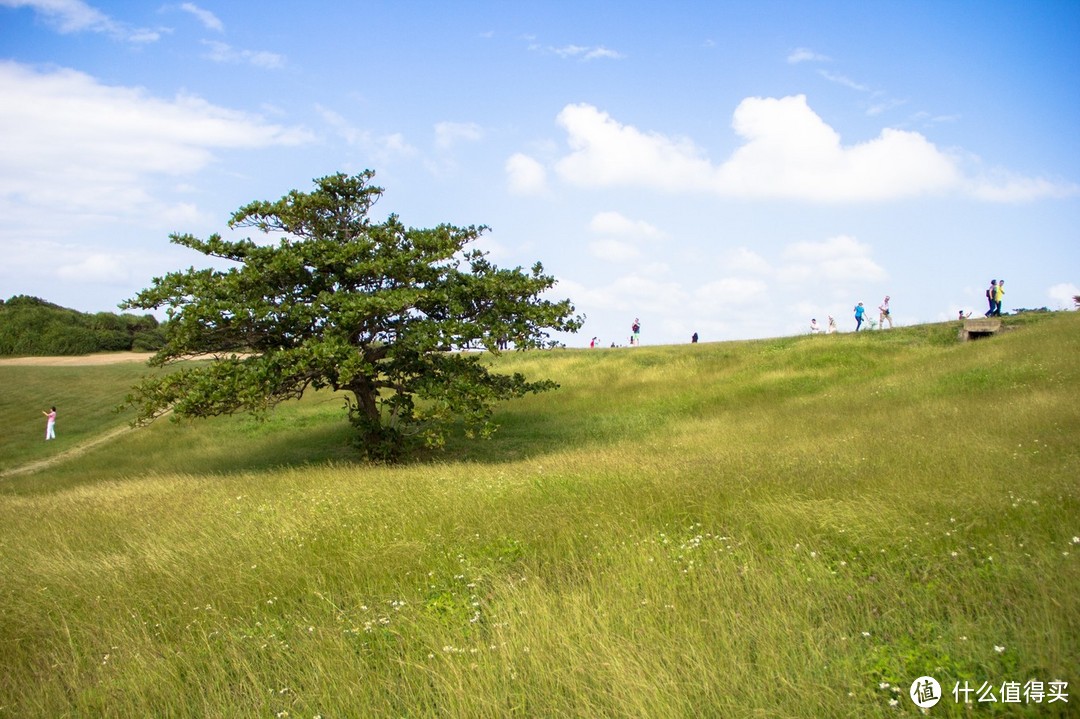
x=787, y=152
x=840, y=258
x=640, y=292
x=1062, y=295
x=73, y=145
x=621, y=236
x=74, y=16
x=525, y=175
x=607, y=153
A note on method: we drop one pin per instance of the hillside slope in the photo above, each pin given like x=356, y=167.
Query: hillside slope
x=798, y=527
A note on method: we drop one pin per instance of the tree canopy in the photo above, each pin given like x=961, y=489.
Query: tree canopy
x=342, y=301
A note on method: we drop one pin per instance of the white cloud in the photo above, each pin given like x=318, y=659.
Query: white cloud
x=605, y=153
x=225, y=53
x=788, y=152
x=729, y=291
x=1062, y=294
x=843, y=80
x=382, y=147
x=448, y=134
x=585, y=53
x=613, y=223
x=742, y=259
x=75, y=147
x=611, y=250
x=641, y=293
x=1005, y=187
x=880, y=104
x=802, y=54
x=840, y=258
x=525, y=175
x=73, y=16
x=209, y=20
x=97, y=268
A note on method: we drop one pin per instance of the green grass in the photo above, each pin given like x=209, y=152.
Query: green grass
x=759, y=529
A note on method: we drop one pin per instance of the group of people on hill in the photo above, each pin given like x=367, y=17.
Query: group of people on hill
x=994, y=294
x=884, y=314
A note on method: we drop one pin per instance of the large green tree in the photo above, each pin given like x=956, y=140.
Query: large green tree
x=342, y=301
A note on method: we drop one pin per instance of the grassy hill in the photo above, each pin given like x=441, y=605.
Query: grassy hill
x=796, y=527
x=32, y=326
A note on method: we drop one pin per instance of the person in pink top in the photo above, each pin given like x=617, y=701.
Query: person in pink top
x=50, y=424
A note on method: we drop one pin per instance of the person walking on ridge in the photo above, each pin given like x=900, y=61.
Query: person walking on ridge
x=885, y=315
x=999, y=295
x=991, y=292
x=859, y=312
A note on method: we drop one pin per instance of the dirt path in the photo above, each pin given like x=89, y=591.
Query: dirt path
x=67, y=454
x=78, y=360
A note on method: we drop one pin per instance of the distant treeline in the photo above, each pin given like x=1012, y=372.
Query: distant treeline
x=32, y=326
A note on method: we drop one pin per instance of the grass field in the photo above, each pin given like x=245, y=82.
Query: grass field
x=797, y=527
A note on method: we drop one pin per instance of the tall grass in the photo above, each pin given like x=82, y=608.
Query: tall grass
x=783, y=528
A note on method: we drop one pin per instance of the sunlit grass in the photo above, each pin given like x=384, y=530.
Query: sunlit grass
x=794, y=527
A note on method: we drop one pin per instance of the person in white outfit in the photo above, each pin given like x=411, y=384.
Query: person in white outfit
x=50, y=424
x=884, y=310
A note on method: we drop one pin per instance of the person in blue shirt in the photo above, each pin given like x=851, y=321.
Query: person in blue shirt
x=859, y=311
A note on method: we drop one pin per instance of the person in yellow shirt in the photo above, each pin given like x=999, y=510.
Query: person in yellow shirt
x=998, y=294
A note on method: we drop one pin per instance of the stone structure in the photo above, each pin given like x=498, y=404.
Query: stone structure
x=981, y=327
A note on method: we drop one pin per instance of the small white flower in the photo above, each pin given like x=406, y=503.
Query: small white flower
x=866, y=634
x=998, y=649
x=893, y=702
x=1076, y=540
x=883, y=685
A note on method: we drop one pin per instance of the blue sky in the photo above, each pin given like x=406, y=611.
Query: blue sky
x=729, y=168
